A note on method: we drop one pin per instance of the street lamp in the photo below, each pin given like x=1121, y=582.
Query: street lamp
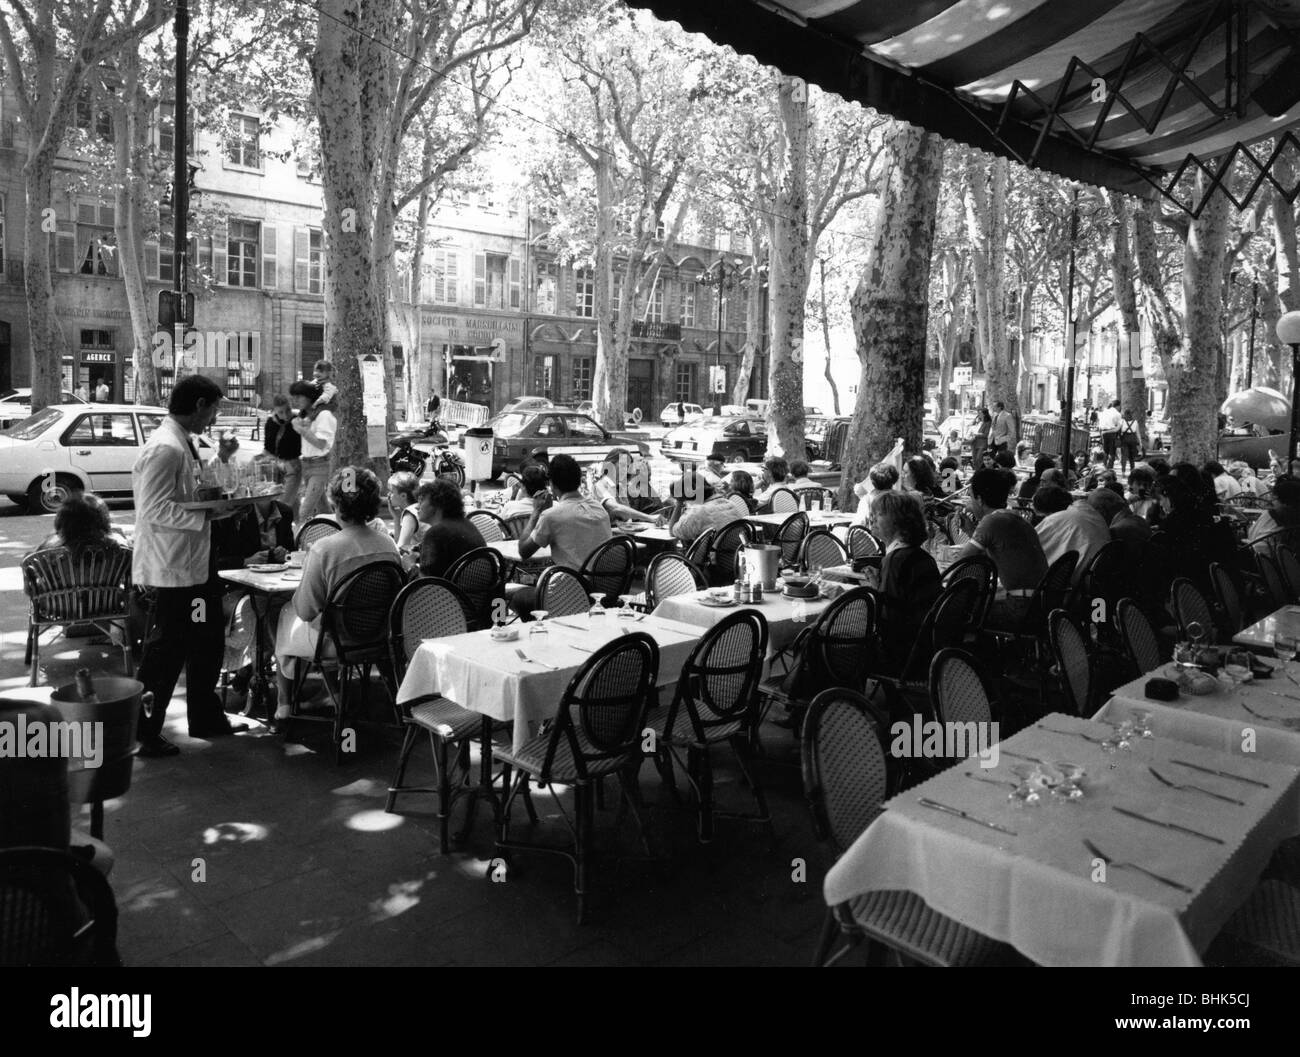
x=717, y=275
x=1288, y=332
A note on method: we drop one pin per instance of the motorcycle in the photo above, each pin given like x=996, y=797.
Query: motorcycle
x=404, y=456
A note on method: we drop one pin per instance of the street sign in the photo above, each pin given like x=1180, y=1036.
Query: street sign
x=962, y=375
x=717, y=379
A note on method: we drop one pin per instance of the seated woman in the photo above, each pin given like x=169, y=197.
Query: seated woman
x=408, y=529
x=1141, y=483
x=909, y=577
x=919, y=478
x=450, y=534
x=1030, y=485
x=1190, y=538
x=82, y=522
x=1283, y=514
x=741, y=483
x=355, y=496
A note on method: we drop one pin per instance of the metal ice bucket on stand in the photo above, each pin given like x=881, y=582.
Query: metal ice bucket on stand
x=762, y=564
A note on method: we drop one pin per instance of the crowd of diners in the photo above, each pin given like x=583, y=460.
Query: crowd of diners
x=424, y=527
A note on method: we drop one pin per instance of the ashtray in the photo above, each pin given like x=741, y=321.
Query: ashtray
x=504, y=634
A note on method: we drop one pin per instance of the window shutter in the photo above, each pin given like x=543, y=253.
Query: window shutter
x=65, y=249
x=451, y=277
x=268, y=256
x=151, y=259
x=516, y=285
x=220, y=247
x=480, y=279
x=301, y=260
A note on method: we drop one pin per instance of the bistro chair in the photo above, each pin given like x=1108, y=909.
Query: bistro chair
x=596, y=732
x=722, y=552
x=980, y=568
x=489, y=525
x=1289, y=564
x=668, y=575
x=1190, y=607
x=714, y=703
x=739, y=505
x=64, y=587
x=562, y=592
x=957, y=689
x=789, y=537
x=848, y=773
x=431, y=608
x=1266, y=929
x=863, y=544
x=1106, y=579
x=513, y=527
x=1137, y=637
x=353, y=638
x=1228, y=598
x=56, y=910
x=608, y=569
x=698, y=552
x=960, y=527
x=1274, y=585
x=314, y=531
x=783, y=501
x=480, y=575
x=1073, y=661
x=822, y=549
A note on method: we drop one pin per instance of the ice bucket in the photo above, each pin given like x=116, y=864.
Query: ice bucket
x=762, y=564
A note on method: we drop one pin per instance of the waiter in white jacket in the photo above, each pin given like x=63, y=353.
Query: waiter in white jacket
x=174, y=562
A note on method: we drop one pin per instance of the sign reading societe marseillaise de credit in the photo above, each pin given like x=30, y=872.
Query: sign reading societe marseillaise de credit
x=471, y=330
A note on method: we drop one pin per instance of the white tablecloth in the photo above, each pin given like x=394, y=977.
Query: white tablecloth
x=1259, y=636
x=489, y=677
x=786, y=617
x=509, y=550
x=1035, y=890
x=1219, y=720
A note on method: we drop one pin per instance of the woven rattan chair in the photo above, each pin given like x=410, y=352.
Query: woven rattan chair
x=514, y=527
x=596, y=732
x=790, y=537
x=314, y=531
x=56, y=910
x=563, y=592
x=1228, y=598
x=668, y=575
x=608, y=569
x=90, y=586
x=1289, y=564
x=489, y=525
x=714, y=703
x=722, y=552
x=1274, y=585
x=1266, y=929
x=821, y=549
x=862, y=544
x=431, y=608
x=1189, y=607
x=739, y=505
x=783, y=501
x=480, y=575
x=1107, y=578
x=980, y=568
x=958, y=690
x=1073, y=661
x=848, y=773
x=353, y=637
x=961, y=527
x=1137, y=637
x=698, y=551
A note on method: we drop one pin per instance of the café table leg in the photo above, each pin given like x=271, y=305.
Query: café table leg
x=260, y=681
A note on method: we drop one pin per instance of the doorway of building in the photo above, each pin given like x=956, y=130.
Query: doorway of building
x=469, y=378
x=641, y=387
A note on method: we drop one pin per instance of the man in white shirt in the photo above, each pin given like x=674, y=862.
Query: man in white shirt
x=1079, y=527
x=1002, y=435
x=317, y=426
x=1109, y=423
x=173, y=560
x=612, y=488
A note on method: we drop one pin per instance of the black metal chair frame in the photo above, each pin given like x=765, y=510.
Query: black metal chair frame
x=29, y=875
x=623, y=582
x=313, y=523
x=481, y=600
x=668, y=558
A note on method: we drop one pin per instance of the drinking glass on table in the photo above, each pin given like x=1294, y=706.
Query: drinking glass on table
x=1284, y=647
x=1236, y=666
x=596, y=614
x=538, y=625
x=626, y=612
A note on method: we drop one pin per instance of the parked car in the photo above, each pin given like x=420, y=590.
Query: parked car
x=527, y=403
x=691, y=413
x=586, y=407
x=517, y=434
x=88, y=447
x=731, y=439
x=16, y=405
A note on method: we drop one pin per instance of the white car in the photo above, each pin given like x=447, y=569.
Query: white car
x=690, y=413
x=16, y=405
x=88, y=447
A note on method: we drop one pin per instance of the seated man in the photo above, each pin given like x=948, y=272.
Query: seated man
x=533, y=479
x=570, y=524
x=612, y=488
x=697, y=508
x=1124, y=524
x=1077, y=527
x=1009, y=541
x=449, y=534
x=355, y=496
x=799, y=471
x=775, y=471
x=260, y=534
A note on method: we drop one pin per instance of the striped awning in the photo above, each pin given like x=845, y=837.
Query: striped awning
x=1118, y=93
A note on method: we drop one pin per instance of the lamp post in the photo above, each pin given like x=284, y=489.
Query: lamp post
x=716, y=275
x=1288, y=332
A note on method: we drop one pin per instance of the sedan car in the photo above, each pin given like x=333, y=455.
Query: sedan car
x=518, y=434
x=727, y=439
x=87, y=447
x=690, y=413
x=16, y=405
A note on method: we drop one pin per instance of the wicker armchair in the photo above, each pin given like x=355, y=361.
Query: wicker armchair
x=668, y=575
x=314, y=531
x=563, y=592
x=480, y=575
x=56, y=910
x=821, y=549
x=1137, y=637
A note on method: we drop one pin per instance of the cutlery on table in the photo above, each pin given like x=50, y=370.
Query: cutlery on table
x=1222, y=774
x=576, y=627
x=1260, y=715
x=1099, y=854
x=533, y=660
x=1076, y=733
x=991, y=781
x=1020, y=756
x=1166, y=825
x=1194, y=788
x=935, y=805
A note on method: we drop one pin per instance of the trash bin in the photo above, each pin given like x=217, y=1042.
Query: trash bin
x=476, y=443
